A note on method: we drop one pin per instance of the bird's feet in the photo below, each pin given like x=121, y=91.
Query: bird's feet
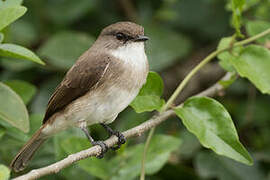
x=121, y=137
x=121, y=140
x=104, y=148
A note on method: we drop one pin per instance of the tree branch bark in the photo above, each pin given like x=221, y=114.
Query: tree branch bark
x=133, y=132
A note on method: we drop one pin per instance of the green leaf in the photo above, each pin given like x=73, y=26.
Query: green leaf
x=63, y=49
x=1, y=37
x=24, y=89
x=254, y=64
x=256, y=27
x=13, y=132
x=13, y=110
x=126, y=165
x=213, y=126
x=147, y=103
x=237, y=7
x=251, y=62
x=10, y=3
x=227, y=55
x=226, y=65
x=16, y=51
x=9, y=14
x=177, y=46
x=4, y=172
x=148, y=98
x=227, y=83
x=211, y=166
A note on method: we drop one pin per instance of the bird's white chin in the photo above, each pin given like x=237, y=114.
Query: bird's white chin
x=132, y=53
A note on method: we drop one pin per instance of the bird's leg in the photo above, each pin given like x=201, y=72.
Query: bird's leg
x=121, y=137
x=104, y=147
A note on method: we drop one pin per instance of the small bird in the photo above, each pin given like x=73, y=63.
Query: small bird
x=101, y=84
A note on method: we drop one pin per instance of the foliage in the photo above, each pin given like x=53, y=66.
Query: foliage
x=212, y=124
x=15, y=51
x=24, y=89
x=255, y=27
x=10, y=13
x=18, y=118
x=148, y=98
x=237, y=7
x=60, y=31
x=250, y=62
x=4, y=172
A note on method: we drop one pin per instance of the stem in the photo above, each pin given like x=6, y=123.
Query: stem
x=186, y=80
x=189, y=76
x=149, y=137
x=205, y=61
x=253, y=38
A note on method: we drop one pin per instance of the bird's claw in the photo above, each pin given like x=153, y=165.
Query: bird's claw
x=104, y=148
x=121, y=140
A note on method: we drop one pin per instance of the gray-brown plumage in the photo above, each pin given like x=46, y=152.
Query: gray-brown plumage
x=83, y=76
x=103, y=81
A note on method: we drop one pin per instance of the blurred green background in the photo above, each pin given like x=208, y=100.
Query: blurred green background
x=181, y=32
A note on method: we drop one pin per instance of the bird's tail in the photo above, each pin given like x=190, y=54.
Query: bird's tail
x=27, y=151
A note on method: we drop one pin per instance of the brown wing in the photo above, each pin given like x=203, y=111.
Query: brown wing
x=83, y=76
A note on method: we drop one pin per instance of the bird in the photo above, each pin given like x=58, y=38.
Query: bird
x=102, y=83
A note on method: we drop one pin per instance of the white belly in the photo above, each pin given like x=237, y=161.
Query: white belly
x=103, y=107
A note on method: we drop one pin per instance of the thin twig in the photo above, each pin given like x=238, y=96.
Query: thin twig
x=147, y=143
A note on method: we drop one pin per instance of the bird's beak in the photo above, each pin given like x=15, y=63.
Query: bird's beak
x=141, y=38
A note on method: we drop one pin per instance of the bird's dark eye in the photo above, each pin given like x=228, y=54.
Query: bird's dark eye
x=120, y=36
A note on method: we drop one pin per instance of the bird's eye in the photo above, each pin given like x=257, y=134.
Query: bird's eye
x=120, y=36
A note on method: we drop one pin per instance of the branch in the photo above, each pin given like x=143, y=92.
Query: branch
x=217, y=87
x=133, y=132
